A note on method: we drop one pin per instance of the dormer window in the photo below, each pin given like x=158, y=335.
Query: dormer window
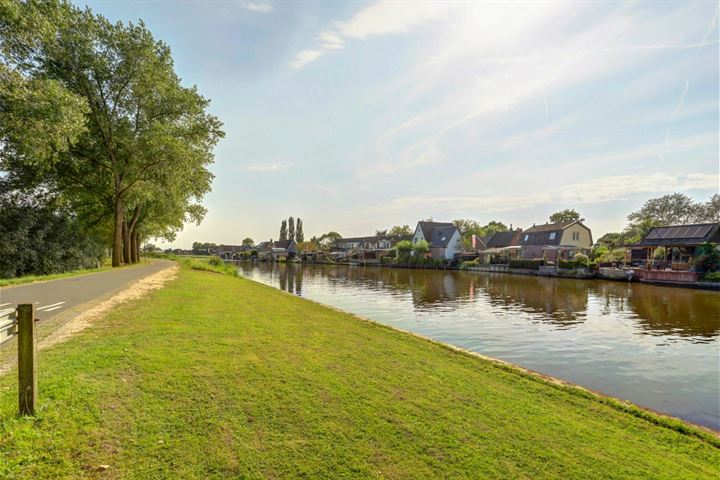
x=552, y=235
x=526, y=237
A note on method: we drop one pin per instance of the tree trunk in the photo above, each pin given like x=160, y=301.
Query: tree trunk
x=134, y=247
x=117, y=233
x=126, y=243
x=133, y=235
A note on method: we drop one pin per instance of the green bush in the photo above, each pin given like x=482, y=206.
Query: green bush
x=712, y=277
x=707, y=258
x=468, y=264
x=215, y=261
x=209, y=265
x=529, y=264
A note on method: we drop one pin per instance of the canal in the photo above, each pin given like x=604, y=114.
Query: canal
x=656, y=346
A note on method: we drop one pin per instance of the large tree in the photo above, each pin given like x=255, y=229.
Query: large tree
x=143, y=127
x=291, y=228
x=299, y=235
x=283, y=230
x=248, y=242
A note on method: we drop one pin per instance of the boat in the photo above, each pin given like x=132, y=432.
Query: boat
x=614, y=273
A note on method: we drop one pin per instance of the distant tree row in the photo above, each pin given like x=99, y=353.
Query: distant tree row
x=94, y=120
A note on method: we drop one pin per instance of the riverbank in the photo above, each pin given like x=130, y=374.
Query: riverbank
x=215, y=376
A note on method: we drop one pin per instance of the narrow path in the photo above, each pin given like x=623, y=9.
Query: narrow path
x=55, y=297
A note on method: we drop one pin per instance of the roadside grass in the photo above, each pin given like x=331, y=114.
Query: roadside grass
x=106, y=265
x=219, y=377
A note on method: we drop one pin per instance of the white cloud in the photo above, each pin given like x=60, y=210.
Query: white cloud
x=603, y=189
x=385, y=17
x=259, y=7
x=269, y=167
x=305, y=57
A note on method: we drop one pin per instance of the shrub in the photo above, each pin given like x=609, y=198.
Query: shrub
x=467, y=264
x=581, y=260
x=707, y=258
x=712, y=277
x=421, y=248
x=529, y=264
x=215, y=261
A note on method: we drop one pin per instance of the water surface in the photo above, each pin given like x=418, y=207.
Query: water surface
x=656, y=346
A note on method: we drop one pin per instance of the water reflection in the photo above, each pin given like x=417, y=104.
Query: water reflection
x=682, y=314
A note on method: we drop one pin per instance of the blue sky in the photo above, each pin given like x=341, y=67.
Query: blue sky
x=357, y=116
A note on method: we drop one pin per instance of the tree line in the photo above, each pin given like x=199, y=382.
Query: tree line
x=96, y=127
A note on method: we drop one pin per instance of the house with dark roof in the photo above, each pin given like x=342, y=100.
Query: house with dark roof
x=501, y=246
x=554, y=241
x=443, y=237
x=370, y=243
x=276, y=250
x=679, y=242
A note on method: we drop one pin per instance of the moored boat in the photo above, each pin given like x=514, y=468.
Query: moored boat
x=613, y=273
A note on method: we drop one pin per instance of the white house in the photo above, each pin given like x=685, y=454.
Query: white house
x=444, y=238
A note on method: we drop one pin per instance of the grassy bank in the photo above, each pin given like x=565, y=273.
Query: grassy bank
x=217, y=377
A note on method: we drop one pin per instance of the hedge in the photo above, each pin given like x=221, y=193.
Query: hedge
x=529, y=264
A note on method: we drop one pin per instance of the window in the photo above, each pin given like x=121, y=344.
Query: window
x=526, y=237
x=576, y=235
x=552, y=235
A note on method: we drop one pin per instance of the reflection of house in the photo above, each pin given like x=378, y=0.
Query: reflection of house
x=443, y=238
x=501, y=246
x=679, y=243
x=555, y=241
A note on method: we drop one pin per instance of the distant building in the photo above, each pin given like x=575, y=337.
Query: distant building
x=228, y=252
x=555, y=241
x=443, y=237
x=371, y=248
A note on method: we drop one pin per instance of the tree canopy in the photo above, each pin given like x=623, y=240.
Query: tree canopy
x=94, y=112
x=565, y=216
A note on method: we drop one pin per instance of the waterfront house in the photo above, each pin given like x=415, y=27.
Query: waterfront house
x=501, y=247
x=554, y=241
x=228, y=252
x=680, y=243
x=370, y=248
x=284, y=248
x=443, y=237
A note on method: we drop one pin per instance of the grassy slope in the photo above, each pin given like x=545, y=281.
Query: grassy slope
x=222, y=377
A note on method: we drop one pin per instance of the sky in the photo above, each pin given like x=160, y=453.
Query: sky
x=356, y=116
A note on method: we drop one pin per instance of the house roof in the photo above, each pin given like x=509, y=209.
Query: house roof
x=437, y=234
x=264, y=245
x=681, y=235
x=504, y=239
x=549, y=227
x=428, y=227
x=283, y=244
x=547, y=234
x=376, y=238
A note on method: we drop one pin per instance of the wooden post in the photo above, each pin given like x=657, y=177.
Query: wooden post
x=27, y=359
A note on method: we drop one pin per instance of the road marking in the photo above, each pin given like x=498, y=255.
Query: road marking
x=46, y=307
x=54, y=308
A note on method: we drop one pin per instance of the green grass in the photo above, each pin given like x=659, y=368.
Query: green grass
x=219, y=377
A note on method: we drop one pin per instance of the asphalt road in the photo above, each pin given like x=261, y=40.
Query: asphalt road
x=56, y=296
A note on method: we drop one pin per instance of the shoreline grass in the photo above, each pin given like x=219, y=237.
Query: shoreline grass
x=217, y=377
